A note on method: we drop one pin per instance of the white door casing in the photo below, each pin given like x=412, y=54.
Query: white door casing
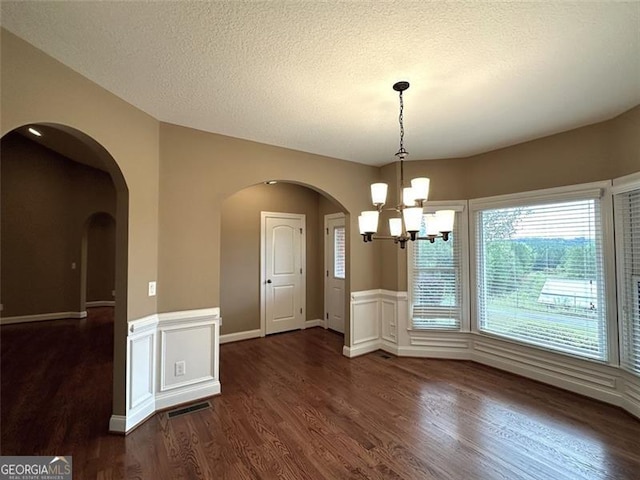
x=335, y=262
x=282, y=272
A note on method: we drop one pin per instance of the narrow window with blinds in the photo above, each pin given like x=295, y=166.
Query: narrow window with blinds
x=338, y=252
x=435, y=279
x=540, y=276
x=627, y=208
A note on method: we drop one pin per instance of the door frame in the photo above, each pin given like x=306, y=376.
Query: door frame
x=263, y=265
x=326, y=267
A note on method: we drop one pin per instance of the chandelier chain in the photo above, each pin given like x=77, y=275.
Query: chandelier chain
x=401, y=121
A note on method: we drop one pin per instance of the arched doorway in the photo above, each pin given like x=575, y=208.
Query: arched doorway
x=55, y=177
x=241, y=287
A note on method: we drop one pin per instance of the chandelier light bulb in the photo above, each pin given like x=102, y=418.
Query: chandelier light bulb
x=395, y=226
x=420, y=188
x=379, y=193
x=369, y=221
x=445, y=219
x=431, y=224
x=408, y=197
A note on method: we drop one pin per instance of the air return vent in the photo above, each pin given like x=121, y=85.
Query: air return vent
x=188, y=409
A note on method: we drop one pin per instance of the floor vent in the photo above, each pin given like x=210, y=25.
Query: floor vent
x=385, y=356
x=189, y=409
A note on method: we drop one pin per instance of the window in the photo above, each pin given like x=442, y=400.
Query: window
x=436, y=279
x=627, y=207
x=539, y=274
x=338, y=252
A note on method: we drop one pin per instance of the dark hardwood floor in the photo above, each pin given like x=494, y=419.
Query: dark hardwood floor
x=293, y=407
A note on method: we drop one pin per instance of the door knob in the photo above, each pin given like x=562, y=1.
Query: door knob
x=269, y=281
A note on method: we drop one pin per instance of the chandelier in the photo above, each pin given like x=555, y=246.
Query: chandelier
x=410, y=206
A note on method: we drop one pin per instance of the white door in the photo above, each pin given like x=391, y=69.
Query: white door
x=283, y=272
x=335, y=254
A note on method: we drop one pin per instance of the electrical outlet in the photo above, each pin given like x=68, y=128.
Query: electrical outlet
x=152, y=289
x=181, y=368
x=113, y=293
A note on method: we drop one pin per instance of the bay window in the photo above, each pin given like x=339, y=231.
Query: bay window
x=539, y=272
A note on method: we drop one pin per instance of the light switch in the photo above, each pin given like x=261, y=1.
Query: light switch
x=152, y=289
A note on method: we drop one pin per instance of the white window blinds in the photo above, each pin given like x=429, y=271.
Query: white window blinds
x=338, y=252
x=540, y=276
x=627, y=208
x=435, y=278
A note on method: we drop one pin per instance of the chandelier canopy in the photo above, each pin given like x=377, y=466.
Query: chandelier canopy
x=410, y=206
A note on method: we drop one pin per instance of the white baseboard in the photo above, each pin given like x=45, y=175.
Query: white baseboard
x=140, y=414
x=390, y=347
x=101, y=303
x=361, y=349
x=187, y=394
x=422, y=352
x=118, y=424
x=314, y=323
x=239, y=336
x=42, y=317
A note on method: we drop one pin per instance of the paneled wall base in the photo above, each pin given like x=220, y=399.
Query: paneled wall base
x=172, y=358
x=385, y=314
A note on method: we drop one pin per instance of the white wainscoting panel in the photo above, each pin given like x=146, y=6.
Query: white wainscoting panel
x=141, y=370
x=389, y=318
x=581, y=376
x=193, y=338
x=154, y=344
x=631, y=394
x=365, y=323
x=434, y=344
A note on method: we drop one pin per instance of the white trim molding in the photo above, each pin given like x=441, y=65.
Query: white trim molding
x=314, y=323
x=156, y=344
x=239, y=336
x=364, y=326
x=631, y=393
x=101, y=303
x=42, y=317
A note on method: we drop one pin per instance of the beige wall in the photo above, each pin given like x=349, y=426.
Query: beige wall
x=200, y=170
x=46, y=202
x=101, y=257
x=596, y=152
x=625, y=142
x=37, y=88
x=240, y=251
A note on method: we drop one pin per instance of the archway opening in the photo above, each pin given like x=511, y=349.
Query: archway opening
x=56, y=183
x=241, y=288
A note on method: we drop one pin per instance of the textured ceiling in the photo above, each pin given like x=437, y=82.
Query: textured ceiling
x=316, y=76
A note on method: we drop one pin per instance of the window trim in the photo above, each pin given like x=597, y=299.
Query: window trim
x=601, y=190
x=462, y=208
x=622, y=185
